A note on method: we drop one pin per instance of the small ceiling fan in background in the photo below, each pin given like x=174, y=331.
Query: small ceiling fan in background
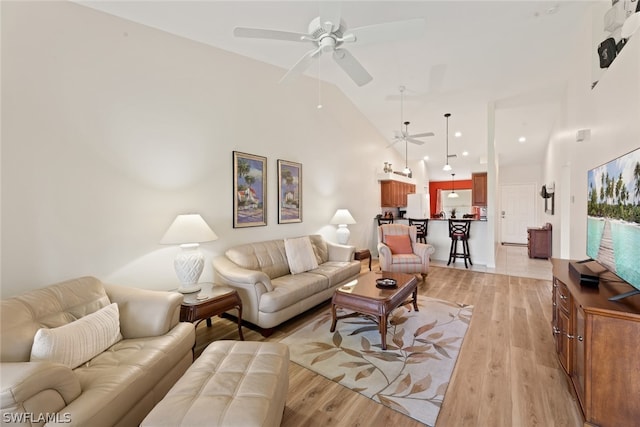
x=328, y=33
x=403, y=134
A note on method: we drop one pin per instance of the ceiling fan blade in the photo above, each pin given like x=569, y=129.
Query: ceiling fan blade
x=420, y=135
x=330, y=12
x=415, y=141
x=394, y=142
x=390, y=31
x=302, y=64
x=352, y=67
x=258, y=33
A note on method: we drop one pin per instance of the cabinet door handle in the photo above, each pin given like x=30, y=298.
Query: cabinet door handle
x=556, y=331
x=570, y=336
x=563, y=297
x=580, y=338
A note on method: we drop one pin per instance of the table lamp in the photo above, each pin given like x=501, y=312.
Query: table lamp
x=188, y=231
x=342, y=218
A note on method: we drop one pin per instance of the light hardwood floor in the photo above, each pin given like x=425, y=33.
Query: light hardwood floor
x=507, y=373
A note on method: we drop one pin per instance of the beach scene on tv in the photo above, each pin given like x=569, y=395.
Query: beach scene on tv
x=613, y=221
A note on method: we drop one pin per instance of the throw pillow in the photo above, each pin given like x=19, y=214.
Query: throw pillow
x=80, y=341
x=399, y=244
x=300, y=255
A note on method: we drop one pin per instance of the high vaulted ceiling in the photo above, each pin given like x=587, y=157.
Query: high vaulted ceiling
x=510, y=54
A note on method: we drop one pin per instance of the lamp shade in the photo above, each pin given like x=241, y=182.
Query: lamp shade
x=342, y=216
x=188, y=228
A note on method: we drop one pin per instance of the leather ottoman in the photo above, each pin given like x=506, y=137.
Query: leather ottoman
x=232, y=383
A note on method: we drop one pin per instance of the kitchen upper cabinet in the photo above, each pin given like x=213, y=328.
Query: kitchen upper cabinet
x=479, y=189
x=393, y=194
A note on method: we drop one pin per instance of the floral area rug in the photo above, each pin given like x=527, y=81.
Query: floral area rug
x=411, y=376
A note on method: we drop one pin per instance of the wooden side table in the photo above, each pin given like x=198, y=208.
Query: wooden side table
x=212, y=300
x=361, y=254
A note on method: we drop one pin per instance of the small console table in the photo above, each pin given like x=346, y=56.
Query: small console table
x=215, y=300
x=361, y=254
x=597, y=343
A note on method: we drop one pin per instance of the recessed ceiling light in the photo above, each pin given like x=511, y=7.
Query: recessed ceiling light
x=426, y=157
x=458, y=134
x=522, y=139
x=465, y=153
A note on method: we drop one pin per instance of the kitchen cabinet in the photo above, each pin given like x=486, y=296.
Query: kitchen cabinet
x=597, y=343
x=393, y=194
x=479, y=189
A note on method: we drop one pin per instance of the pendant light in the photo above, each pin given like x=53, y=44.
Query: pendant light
x=453, y=194
x=447, y=166
x=406, y=170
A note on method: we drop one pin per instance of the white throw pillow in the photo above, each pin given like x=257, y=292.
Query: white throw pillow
x=300, y=255
x=80, y=341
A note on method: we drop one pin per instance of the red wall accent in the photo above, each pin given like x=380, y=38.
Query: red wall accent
x=434, y=186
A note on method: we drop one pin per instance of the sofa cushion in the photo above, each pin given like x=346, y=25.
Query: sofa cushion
x=406, y=259
x=400, y=244
x=50, y=307
x=337, y=272
x=290, y=289
x=269, y=257
x=114, y=381
x=78, y=342
x=300, y=255
x=320, y=248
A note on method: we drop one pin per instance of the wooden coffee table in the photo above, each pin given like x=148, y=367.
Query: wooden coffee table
x=364, y=297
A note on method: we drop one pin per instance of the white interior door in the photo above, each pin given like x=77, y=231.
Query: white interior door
x=517, y=212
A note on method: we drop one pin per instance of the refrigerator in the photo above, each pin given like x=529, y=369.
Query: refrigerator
x=418, y=206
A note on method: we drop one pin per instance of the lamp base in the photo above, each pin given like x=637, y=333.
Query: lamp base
x=342, y=234
x=189, y=289
x=189, y=263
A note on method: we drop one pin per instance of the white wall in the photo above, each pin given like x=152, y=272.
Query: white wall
x=612, y=112
x=111, y=129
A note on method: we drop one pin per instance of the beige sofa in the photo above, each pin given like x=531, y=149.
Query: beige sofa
x=120, y=385
x=270, y=293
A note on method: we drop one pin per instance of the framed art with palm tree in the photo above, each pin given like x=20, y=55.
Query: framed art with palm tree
x=289, y=192
x=249, y=190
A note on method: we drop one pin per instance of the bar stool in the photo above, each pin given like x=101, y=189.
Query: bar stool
x=459, y=232
x=421, y=226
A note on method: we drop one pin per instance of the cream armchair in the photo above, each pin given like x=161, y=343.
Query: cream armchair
x=399, y=251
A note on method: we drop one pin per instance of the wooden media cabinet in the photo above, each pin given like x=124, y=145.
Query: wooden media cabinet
x=598, y=345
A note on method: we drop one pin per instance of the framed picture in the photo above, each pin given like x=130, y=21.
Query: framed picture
x=249, y=190
x=289, y=192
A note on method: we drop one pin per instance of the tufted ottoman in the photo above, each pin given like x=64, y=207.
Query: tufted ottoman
x=232, y=383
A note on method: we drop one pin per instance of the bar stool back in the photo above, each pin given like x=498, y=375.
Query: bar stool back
x=421, y=225
x=459, y=232
x=385, y=221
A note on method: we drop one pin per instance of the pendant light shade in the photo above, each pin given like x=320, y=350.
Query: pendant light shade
x=447, y=166
x=453, y=194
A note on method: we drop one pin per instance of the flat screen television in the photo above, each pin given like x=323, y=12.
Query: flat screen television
x=613, y=218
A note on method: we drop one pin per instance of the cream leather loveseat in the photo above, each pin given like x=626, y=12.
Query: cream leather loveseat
x=118, y=386
x=269, y=291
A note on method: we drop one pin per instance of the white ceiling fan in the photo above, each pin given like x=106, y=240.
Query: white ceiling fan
x=328, y=33
x=403, y=134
